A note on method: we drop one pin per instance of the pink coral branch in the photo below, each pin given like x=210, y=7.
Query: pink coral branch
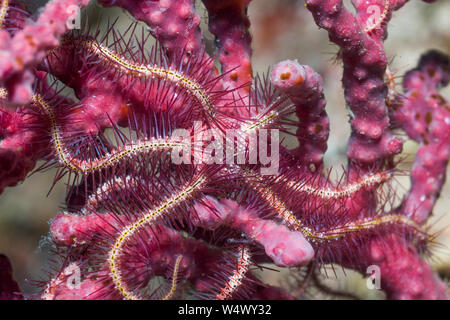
x=22, y=143
x=425, y=116
x=403, y=273
x=285, y=247
x=228, y=21
x=25, y=49
x=364, y=59
x=304, y=88
x=9, y=289
x=174, y=23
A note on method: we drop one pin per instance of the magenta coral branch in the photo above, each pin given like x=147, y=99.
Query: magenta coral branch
x=425, y=116
x=21, y=144
x=174, y=23
x=26, y=48
x=228, y=21
x=404, y=274
x=364, y=65
x=285, y=247
x=72, y=230
x=304, y=88
x=9, y=289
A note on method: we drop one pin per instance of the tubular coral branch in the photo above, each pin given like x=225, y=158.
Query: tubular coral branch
x=21, y=144
x=174, y=23
x=228, y=21
x=61, y=279
x=425, y=116
x=304, y=87
x=405, y=275
x=25, y=49
x=61, y=287
x=101, y=103
x=9, y=289
x=72, y=230
x=364, y=67
x=285, y=247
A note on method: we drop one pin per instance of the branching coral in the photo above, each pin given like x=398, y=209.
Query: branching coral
x=156, y=209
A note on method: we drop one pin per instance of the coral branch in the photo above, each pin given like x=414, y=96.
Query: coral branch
x=404, y=275
x=22, y=143
x=9, y=289
x=25, y=49
x=371, y=143
x=304, y=88
x=425, y=116
x=228, y=21
x=286, y=248
x=174, y=23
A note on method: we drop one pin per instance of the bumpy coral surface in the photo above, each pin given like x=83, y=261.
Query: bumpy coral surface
x=177, y=183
